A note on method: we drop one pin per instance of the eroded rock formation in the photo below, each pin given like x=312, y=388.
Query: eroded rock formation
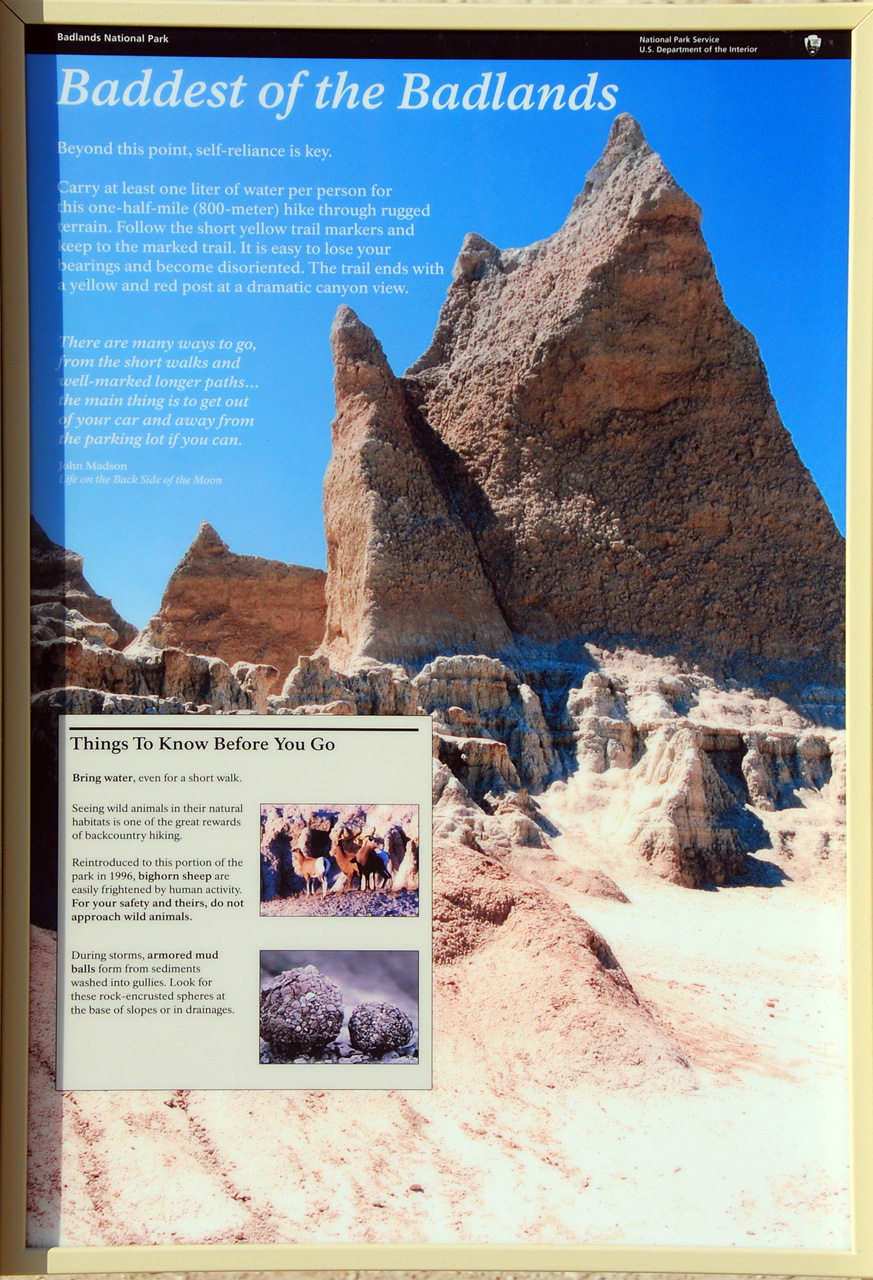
x=404, y=576
x=589, y=447
x=238, y=608
x=69, y=650
x=56, y=578
x=570, y=990
x=694, y=765
x=582, y=484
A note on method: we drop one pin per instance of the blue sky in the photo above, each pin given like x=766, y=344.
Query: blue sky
x=762, y=146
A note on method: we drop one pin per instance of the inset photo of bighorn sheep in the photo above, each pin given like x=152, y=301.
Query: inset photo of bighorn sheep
x=339, y=1007
x=339, y=860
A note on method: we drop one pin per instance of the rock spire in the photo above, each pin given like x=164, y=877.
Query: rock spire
x=589, y=447
x=238, y=608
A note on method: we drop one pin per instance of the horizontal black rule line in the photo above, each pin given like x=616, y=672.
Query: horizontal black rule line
x=250, y=729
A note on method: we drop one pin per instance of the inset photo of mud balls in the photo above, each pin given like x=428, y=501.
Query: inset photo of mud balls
x=339, y=1007
x=339, y=859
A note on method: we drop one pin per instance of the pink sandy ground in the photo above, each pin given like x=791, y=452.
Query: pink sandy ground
x=516, y=1143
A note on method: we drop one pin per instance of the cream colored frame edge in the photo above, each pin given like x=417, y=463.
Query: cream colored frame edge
x=15, y=1258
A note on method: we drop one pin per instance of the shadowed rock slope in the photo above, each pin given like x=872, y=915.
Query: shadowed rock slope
x=57, y=584
x=404, y=575
x=589, y=447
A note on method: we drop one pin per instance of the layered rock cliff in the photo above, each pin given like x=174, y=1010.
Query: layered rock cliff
x=597, y=432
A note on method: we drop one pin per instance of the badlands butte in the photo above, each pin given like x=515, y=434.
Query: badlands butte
x=577, y=534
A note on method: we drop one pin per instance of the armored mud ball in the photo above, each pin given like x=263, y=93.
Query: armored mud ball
x=301, y=1012
x=376, y=1028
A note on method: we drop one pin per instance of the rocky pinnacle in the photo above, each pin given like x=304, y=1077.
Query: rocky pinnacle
x=589, y=447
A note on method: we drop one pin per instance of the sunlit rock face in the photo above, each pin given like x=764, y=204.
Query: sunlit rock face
x=238, y=608
x=589, y=447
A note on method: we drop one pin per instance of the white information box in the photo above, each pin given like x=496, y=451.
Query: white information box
x=186, y=890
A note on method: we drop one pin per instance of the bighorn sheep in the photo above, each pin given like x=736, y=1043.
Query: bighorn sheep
x=343, y=848
x=307, y=868
x=359, y=855
x=372, y=862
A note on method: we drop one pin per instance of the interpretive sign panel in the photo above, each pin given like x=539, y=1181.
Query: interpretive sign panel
x=159, y=891
x=438, y=476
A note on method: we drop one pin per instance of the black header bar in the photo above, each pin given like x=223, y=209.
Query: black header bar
x=648, y=44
